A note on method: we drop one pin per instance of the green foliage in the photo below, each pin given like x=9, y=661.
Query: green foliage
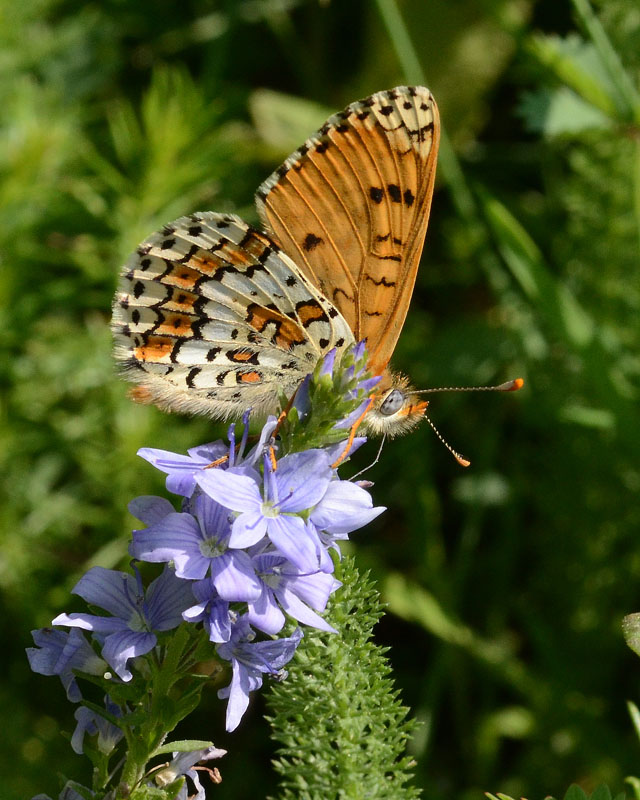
x=574, y=792
x=340, y=726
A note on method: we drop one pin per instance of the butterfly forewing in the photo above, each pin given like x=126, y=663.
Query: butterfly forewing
x=351, y=208
x=211, y=317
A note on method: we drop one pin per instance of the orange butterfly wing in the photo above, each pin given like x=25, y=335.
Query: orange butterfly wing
x=351, y=208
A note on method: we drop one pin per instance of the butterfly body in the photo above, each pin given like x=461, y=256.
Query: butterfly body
x=213, y=316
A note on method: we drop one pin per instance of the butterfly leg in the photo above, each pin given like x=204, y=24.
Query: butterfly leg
x=352, y=433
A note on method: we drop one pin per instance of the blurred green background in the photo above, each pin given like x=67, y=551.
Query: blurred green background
x=506, y=582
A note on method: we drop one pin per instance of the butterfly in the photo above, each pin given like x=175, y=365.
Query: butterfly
x=212, y=316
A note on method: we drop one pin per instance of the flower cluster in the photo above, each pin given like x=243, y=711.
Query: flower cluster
x=253, y=540
x=249, y=548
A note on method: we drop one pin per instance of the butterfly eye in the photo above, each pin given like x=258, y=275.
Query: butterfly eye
x=392, y=403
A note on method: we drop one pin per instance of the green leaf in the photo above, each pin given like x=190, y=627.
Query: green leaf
x=601, y=793
x=284, y=121
x=634, y=783
x=182, y=746
x=574, y=792
x=634, y=713
x=575, y=63
x=560, y=112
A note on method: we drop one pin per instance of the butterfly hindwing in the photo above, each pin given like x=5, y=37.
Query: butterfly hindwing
x=351, y=208
x=211, y=317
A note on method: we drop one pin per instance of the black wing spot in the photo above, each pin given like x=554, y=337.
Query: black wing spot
x=190, y=377
x=311, y=241
x=213, y=352
x=376, y=194
x=167, y=244
x=340, y=342
x=323, y=343
x=342, y=128
x=291, y=281
x=363, y=115
x=135, y=316
x=322, y=147
x=145, y=263
x=195, y=230
x=408, y=197
x=407, y=105
x=394, y=192
x=138, y=289
x=234, y=333
x=386, y=110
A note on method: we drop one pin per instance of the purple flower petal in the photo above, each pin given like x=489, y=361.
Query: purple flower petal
x=237, y=492
x=91, y=622
x=150, y=509
x=289, y=536
x=248, y=529
x=120, y=647
x=181, y=470
x=298, y=610
x=344, y=508
x=264, y=613
x=234, y=577
x=167, y=597
x=109, y=589
x=177, y=537
x=302, y=479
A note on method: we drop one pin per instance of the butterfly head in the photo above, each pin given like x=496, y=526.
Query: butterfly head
x=395, y=410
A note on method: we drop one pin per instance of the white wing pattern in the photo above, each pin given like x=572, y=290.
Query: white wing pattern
x=211, y=317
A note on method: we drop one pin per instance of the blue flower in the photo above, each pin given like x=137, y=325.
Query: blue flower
x=130, y=632
x=92, y=723
x=196, y=543
x=286, y=587
x=181, y=470
x=272, y=509
x=211, y=610
x=249, y=661
x=61, y=652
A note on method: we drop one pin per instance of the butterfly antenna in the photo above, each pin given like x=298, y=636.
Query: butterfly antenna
x=508, y=386
x=464, y=462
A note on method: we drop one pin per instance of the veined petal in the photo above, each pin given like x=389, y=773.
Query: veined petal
x=289, y=535
x=150, y=509
x=234, y=577
x=120, y=647
x=298, y=610
x=167, y=597
x=302, y=479
x=314, y=590
x=344, y=508
x=237, y=492
x=91, y=622
x=175, y=534
x=109, y=589
x=264, y=613
x=238, y=694
x=248, y=529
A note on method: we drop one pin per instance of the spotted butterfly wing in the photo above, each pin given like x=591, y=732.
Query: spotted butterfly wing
x=351, y=208
x=210, y=317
